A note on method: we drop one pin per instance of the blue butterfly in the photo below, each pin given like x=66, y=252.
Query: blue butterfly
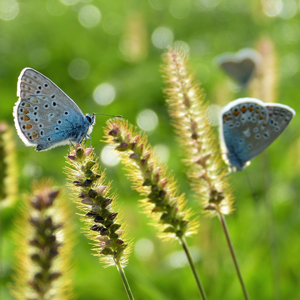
x=248, y=126
x=240, y=66
x=45, y=116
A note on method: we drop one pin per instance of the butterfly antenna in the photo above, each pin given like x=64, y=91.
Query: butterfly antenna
x=116, y=116
x=250, y=186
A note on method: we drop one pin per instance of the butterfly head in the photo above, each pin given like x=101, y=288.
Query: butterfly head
x=91, y=120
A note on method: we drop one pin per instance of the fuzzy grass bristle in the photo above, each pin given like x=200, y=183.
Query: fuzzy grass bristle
x=8, y=167
x=149, y=177
x=44, y=244
x=200, y=148
x=92, y=195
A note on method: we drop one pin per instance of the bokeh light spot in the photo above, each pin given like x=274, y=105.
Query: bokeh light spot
x=104, y=94
x=144, y=248
x=55, y=8
x=69, y=2
x=178, y=259
x=206, y=4
x=158, y=4
x=109, y=157
x=89, y=16
x=289, y=9
x=79, y=68
x=163, y=152
x=180, y=9
x=32, y=170
x=112, y=23
x=272, y=8
x=162, y=37
x=182, y=45
x=147, y=120
x=40, y=58
x=289, y=64
x=9, y=9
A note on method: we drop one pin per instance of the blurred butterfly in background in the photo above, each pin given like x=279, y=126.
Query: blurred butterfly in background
x=248, y=126
x=46, y=117
x=240, y=66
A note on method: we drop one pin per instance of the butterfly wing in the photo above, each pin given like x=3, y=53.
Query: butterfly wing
x=44, y=115
x=249, y=126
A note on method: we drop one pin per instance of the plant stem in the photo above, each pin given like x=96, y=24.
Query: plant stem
x=192, y=265
x=125, y=282
x=233, y=255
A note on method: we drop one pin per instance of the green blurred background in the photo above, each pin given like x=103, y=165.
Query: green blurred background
x=106, y=55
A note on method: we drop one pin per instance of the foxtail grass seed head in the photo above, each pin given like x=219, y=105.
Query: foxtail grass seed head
x=150, y=179
x=103, y=224
x=44, y=241
x=200, y=146
x=264, y=84
x=8, y=167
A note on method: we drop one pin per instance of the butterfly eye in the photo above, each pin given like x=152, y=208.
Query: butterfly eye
x=89, y=119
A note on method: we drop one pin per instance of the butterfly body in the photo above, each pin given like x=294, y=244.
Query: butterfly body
x=248, y=126
x=45, y=116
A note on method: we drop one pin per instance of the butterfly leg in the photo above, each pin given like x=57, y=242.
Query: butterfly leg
x=88, y=136
x=70, y=146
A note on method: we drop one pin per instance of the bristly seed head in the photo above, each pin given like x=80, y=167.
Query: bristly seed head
x=96, y=206
x=190, y=118
x=149, y=178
